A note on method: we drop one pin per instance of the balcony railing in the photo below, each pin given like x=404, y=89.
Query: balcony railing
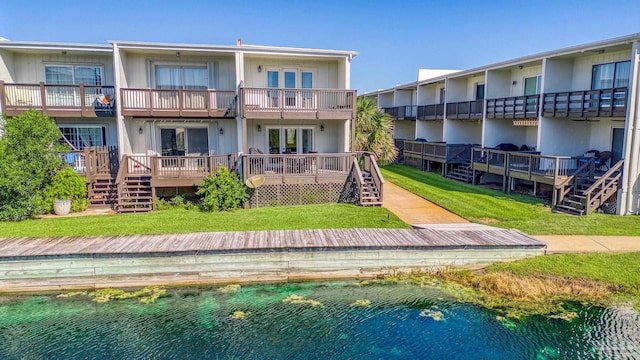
x=587, y=103
x=518, y=107
x=178, y=103
x=405, y=112
x=302, y=168
x=437, y=151
x=270, y=103
x=58, y=100
x=431, y=112
x=465, y=110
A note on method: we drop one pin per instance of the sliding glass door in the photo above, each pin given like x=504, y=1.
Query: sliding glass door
x=290, y=140
x=181, y=141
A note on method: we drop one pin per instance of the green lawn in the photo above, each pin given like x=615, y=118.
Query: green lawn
x=183, y=221
x=482, y=205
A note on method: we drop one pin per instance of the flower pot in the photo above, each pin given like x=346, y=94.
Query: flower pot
x=61, y=207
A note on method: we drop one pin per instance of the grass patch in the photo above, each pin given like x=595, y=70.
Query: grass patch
x=510, y=211
x=326, y=216
x=544, y=285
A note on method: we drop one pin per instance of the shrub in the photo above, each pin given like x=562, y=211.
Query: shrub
x=222, y=192
x=29, y=156
x=177, y=202
x=66, y=184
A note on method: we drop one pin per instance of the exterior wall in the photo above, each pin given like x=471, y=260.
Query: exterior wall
x=430, y=130
x=554, y=133
x=498, y=131
x=463, y=89
x=498, y=84
x=331, y=140
x=558, y=75
x=462, y=132
x=405, y=97
x=518, y=76
x=404, y=129
x=385, y=100
x=602, y=133
x=29, y=68
x=6, y=66
x=428, y=94
x=140, y=73
x=582, y=67
x=326, y=73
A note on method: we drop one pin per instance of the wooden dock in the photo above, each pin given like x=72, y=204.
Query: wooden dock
x=35, y=264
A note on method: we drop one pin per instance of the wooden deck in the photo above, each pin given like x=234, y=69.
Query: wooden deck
x=61, y=263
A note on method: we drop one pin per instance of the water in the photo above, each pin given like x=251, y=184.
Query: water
x=401, y=322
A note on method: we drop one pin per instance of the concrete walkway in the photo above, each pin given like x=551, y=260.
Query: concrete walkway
x=589, y=243
x=415, y=210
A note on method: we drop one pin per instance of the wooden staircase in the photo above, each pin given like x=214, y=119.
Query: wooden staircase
x=370, y=195
x=135, y=194
x=585, y=195
x=103, y=191
x=462, y=173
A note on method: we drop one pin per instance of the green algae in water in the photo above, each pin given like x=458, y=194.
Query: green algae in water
x=207, y=323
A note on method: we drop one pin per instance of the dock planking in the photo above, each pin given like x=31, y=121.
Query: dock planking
x=275, y=240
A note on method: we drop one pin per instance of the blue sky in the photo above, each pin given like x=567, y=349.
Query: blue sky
x=394, y=38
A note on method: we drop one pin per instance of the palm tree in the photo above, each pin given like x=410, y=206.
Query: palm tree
x=374, y=131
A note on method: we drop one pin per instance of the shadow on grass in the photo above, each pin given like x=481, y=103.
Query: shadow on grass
x=442, y=183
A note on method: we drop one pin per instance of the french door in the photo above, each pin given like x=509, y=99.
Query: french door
x=290, y=140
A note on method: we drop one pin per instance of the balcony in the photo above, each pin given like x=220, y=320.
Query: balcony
x=465, y=110
x=270, y=103
x=406, y=112
x=178, y=103
x=519, y=107
x=431, y=112
x=58, y=100
x=587, y=103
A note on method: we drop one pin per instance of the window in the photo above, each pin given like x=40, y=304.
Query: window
x=442, y=95
x=479, y=91
x=181, y=141
x=290, y=140
x=532, y=85
x=73, y=74
x=612, y=75
x=83, y=136
x=182, y=77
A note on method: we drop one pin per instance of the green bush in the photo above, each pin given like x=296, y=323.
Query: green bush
x=66, y=184
x=29, y=156
x=222, y=192
x=177, y=202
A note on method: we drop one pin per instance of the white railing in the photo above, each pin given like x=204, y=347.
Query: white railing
x=269, y=99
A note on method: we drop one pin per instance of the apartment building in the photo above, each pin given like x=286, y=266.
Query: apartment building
x=169, y=114
x=558, y=123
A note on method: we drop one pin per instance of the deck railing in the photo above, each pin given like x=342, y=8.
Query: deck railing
x=430, y=112
x=518, y=107
x=604, y=187
x=508, y=162
x=178, y=167
x=405, y=112
x=181, y=103
x=314, y=101
x=596, y=103
x=58, y=100
x=570, y=183
x=100, y=162
x=288, y=168
x=465, y=110
x=439, y=150
x=371, y=166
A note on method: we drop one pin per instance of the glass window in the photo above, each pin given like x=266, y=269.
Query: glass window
x=272, y=79
x=83, y=136
x=73, y=75
x=307, y=80
x=307, y=141
x=289, y=79
x=532, y=85
x=480, y=91
x=442, y=95
x=182, y=78
x=607, y=76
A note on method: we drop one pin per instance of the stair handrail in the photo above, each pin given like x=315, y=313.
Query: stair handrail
x=612, y=176
x=355, y=169
x=570, y=183
x=124, y=165
x=371, y=165
x=466, y=148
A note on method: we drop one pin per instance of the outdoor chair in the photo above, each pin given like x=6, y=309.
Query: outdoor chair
x=602, y=159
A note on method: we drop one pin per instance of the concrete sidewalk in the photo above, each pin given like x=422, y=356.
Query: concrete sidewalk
x=415, y=210
x=589, y=243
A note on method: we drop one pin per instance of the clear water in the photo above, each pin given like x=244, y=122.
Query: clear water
x=195, y=323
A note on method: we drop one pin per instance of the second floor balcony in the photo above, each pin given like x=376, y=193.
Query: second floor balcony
x=405, y=112
x=465, y=110
x=587, y=103
x=178, y=103
x=273, y=103
x=517, y=107
x=431, y=112
x=58, y=100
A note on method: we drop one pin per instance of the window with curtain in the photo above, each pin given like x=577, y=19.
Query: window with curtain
x=83, y=136
x=611, y=75
x=182, y=77
x=73, y=74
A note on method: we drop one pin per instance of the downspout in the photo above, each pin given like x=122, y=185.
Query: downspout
x=630, y=170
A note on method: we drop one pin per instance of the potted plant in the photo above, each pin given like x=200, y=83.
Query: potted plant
x=66, y=193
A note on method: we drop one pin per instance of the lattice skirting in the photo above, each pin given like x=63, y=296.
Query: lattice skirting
x=294, y=194
x=610, y=206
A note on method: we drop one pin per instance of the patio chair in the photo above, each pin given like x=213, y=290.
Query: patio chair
x=602, y=159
